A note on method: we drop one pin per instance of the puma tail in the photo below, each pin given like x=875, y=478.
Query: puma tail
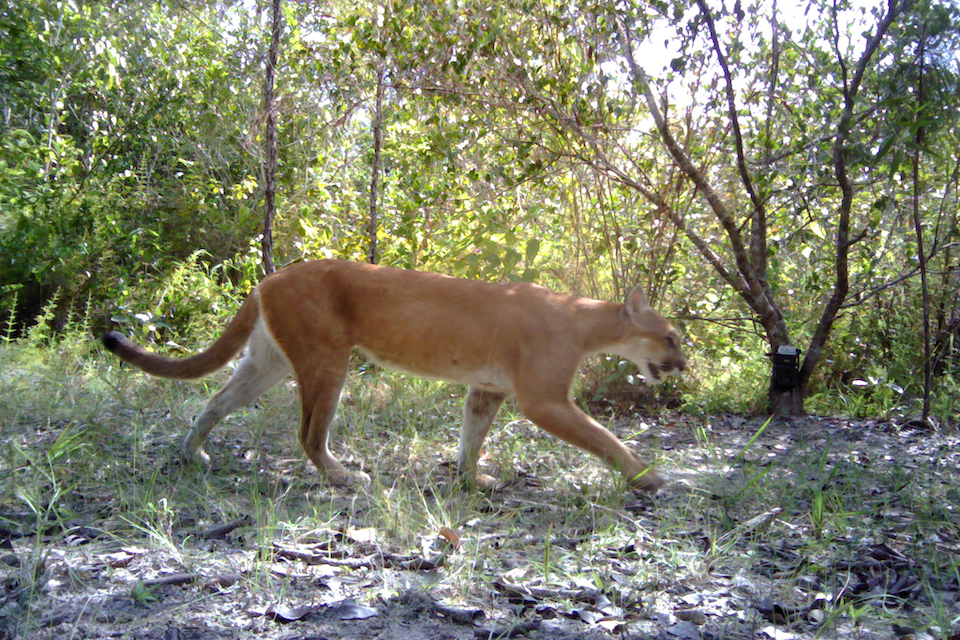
x=215, y=357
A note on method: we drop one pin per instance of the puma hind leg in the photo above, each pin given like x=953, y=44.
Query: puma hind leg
x=262, y=367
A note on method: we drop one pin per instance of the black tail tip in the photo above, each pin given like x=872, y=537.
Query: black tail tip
x=112, y=340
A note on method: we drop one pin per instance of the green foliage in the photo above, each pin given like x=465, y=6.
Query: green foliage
x=42, y=332
x=108, y=165
x=874, y=366
x=9, y=330
x=143, y=594
x=44, y=499
x=191, y=302
x=513, y=150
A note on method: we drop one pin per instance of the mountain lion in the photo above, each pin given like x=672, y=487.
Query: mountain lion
x=498, y=339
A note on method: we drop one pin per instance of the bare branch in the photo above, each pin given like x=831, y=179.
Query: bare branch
x=859, y=298
x=774, y=75
x=664, y=208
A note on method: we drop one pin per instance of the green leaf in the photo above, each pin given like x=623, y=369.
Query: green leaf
x=817, y=229
x=533, y=248
x=884, y=148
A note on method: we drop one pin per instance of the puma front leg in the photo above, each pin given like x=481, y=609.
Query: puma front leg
x=479, y=410
x=564, y=420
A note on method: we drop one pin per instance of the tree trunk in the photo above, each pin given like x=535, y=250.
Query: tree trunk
x=375, y=169
x=787, y=386
x=270, y=155
x=784, y=402
x=918, y=228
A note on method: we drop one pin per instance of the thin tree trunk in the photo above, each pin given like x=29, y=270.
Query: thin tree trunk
x=270, y=159
x=921, y=257
x=749, y=279
x=375, y=170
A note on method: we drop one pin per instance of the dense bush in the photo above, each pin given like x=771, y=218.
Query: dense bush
x=131, y=144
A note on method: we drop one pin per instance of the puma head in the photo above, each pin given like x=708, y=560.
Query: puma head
x=653, y=344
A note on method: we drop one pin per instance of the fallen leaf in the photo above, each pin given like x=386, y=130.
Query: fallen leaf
x=777, y=634
x=350, y=610
x=519, y=629
x=173, y=579
x=460, y=616
x=283, y=613
x=450, y=536
x=221, y=582
x=117, y=560
x=587, y=615
x=362, y=535
x=684, y=630
x=696, y=616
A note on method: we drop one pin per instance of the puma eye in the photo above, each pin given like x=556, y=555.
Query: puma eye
x=671, y=342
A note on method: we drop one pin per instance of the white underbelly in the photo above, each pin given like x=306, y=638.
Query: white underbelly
x=489, y=378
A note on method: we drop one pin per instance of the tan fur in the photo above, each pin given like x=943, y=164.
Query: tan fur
x=499, y=339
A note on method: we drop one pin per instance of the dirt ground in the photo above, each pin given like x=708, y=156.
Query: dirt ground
x=816, y=527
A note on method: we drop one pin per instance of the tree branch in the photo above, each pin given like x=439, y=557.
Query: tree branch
x=851, y=89
x=751, y=287
x=270, y=160
x=759, y=232
x=373, y=220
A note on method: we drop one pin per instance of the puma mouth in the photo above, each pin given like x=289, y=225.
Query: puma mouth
x=654, y=370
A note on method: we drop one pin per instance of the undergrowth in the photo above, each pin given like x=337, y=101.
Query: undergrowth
x=89, y=445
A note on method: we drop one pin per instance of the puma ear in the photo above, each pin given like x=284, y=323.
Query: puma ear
x=637, y=301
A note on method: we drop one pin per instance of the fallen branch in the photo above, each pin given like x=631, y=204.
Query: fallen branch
x=220, y=532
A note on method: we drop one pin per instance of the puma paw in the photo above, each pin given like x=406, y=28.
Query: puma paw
x=344, y=478
x=194, y=455
x=476, y=482
x=483, y=482
x=648, y=481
